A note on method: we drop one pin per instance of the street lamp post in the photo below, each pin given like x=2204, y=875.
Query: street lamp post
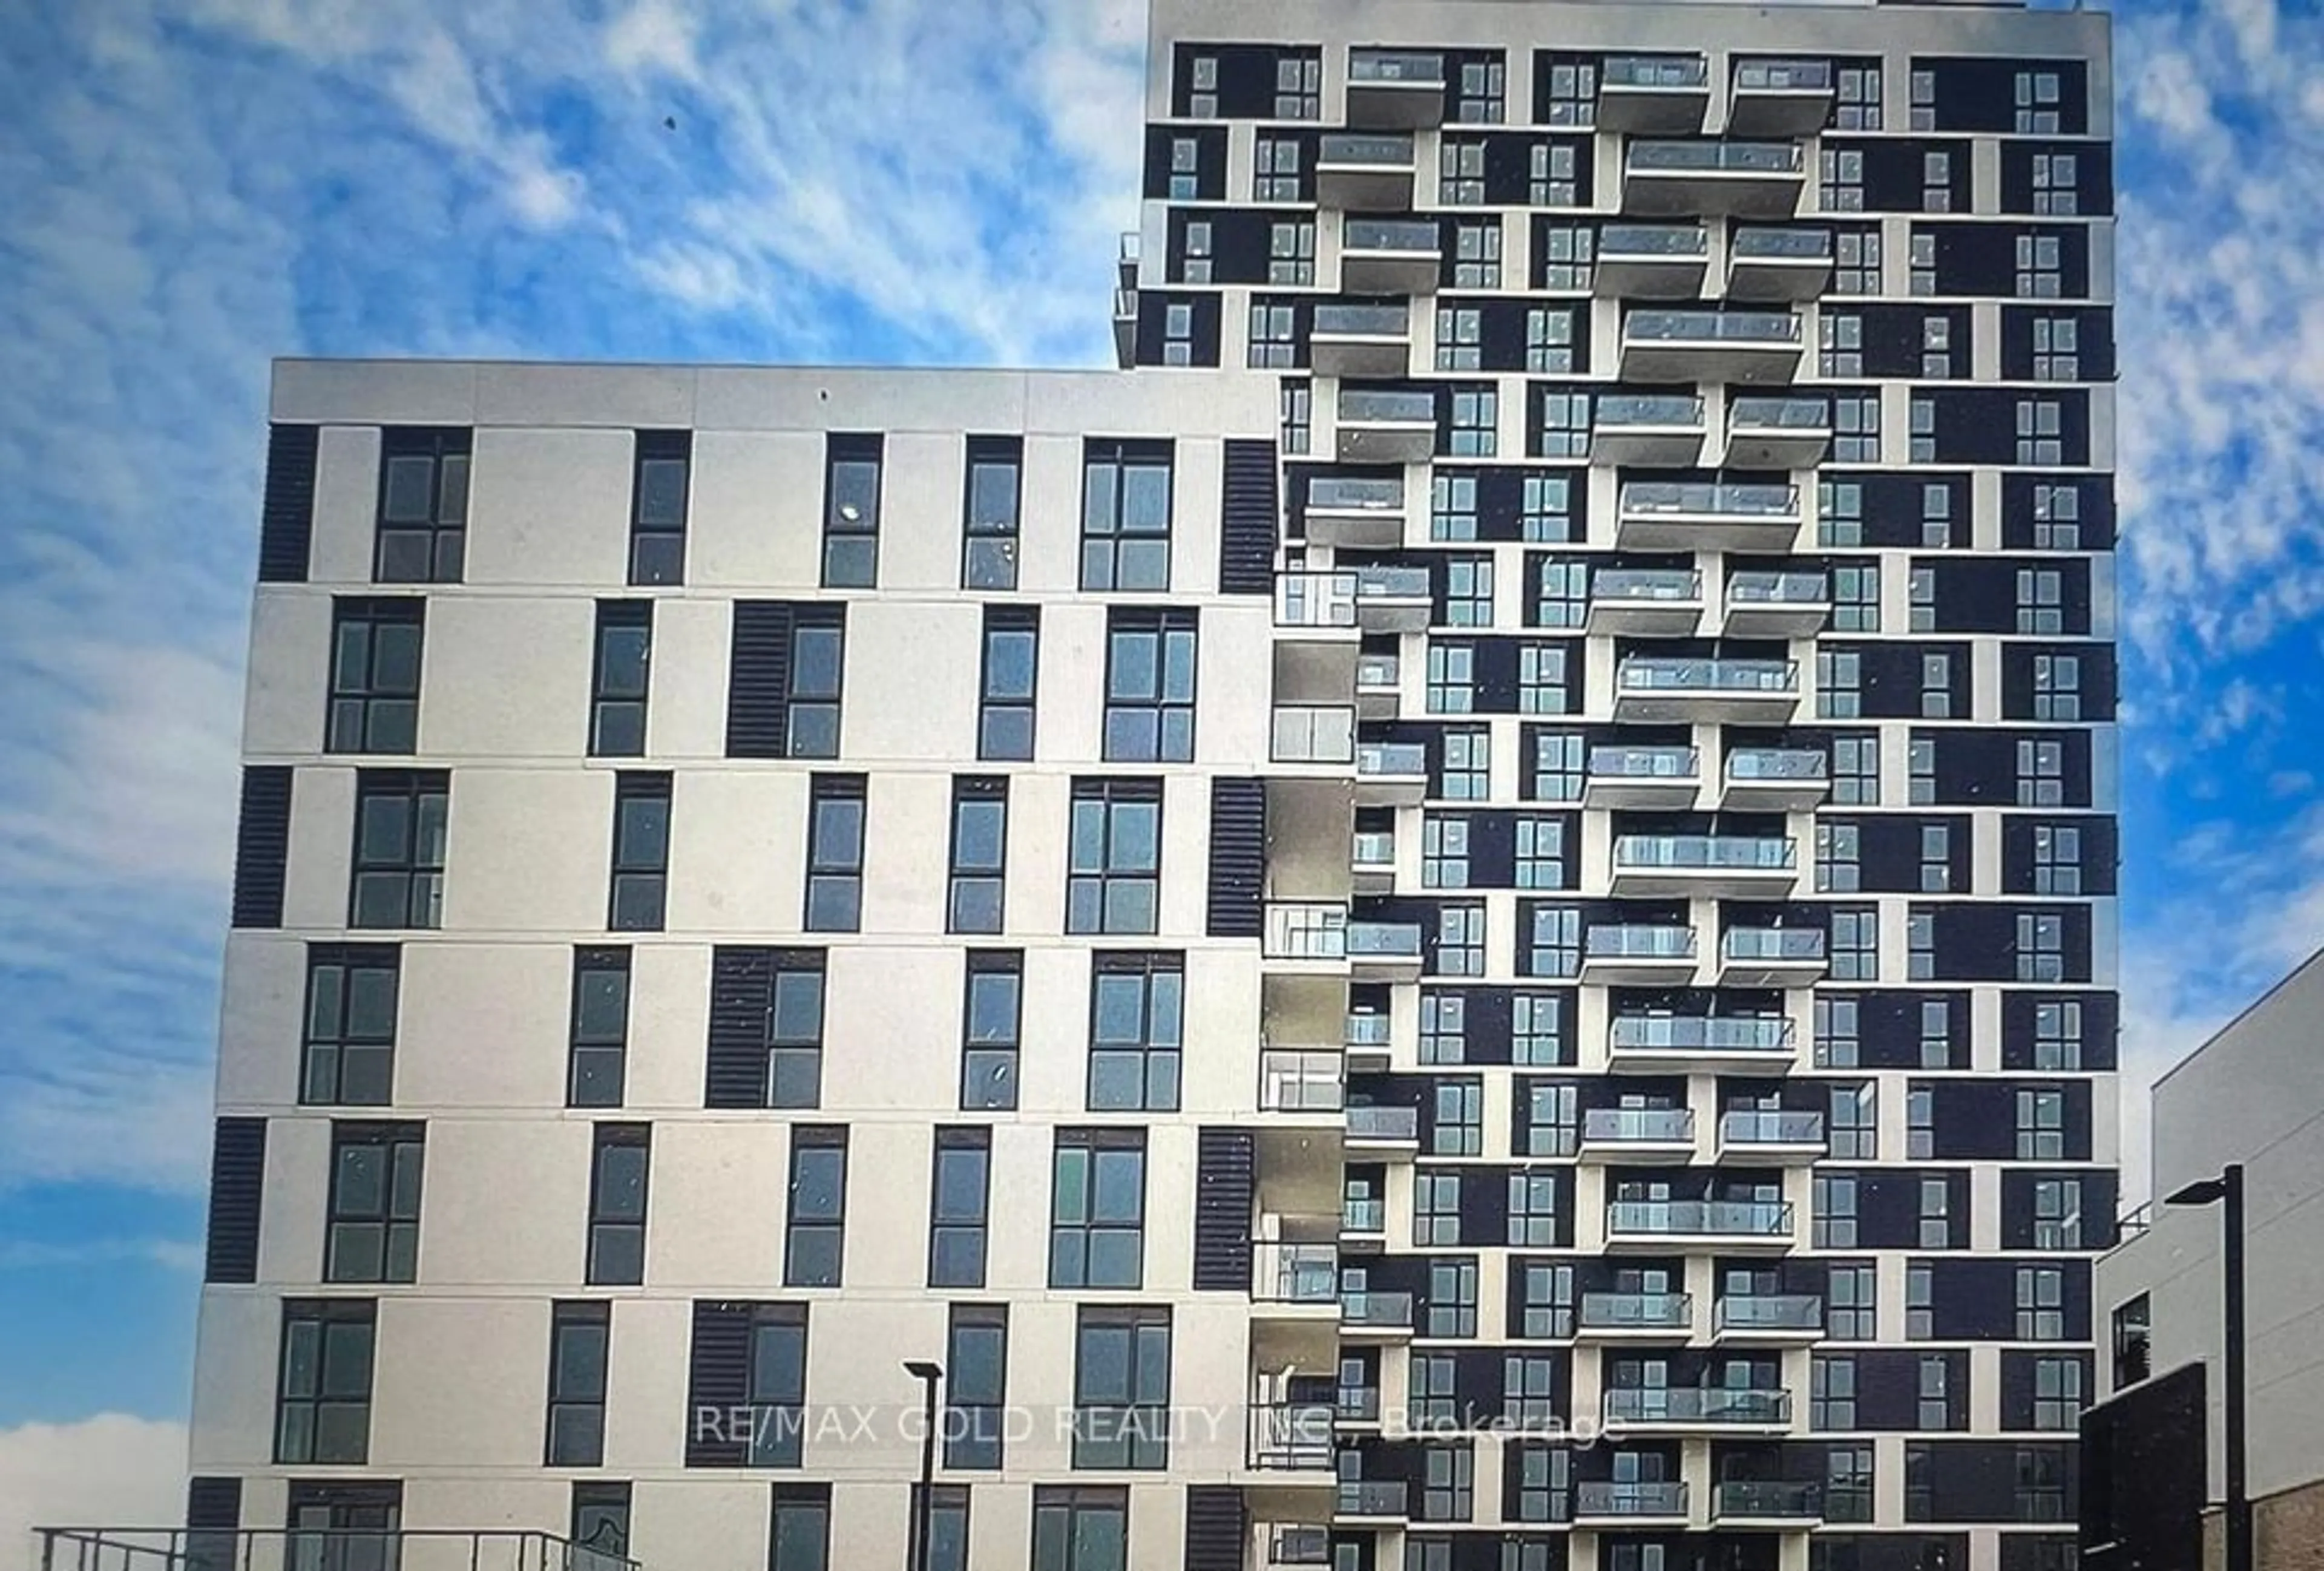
x=930, y=1375
x=2227, y=1191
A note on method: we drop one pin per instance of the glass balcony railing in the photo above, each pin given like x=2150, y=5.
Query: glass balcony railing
x=1356, y=147
x=1769, y=1312
x=1795, y=944
x=1378, y=671
x=1296, y=1273
x=1670, y=242
x=1781, y=245
x=1682, y=674
x=1701, y=1032
x=1655, y=410
x=1363, y=1213
x=1784, y=75
x=1408, y=236
x=1768, y=1498
x=1297, y=1081
x=1724, y=1218
x=1598, y=1497
x=1383, y=940
x=1633, y=942
x=1698, y=1405
x=1367, y=1030
x=1362, y=321
x=1299, y=1547
x=1644, y=763
x=1383, y=1123
x=1638, y=1311
x=1746, y=1126
x=1391, y=759
x=1392, y=583
x=1711, y=498
x=1355, y=494
x=1778, y=328
x=1715, y=157
x=1373, y=406
x=1315, y=599
x=1632, y=584
x=1637, y=1125
x=1371, y=1497
x=1292, y=1436
x=1364, y=1308
x=1777, y=763
x=1373, y=848
x=1655, y=71
x=1396, y=65
x=1357, y=1404
x=1749, y=416
x=1748, y=588
x=1706, y=853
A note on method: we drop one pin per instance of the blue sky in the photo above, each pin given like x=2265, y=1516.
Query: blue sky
x=195, y=186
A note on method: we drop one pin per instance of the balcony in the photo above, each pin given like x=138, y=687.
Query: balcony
x=1636, y=1134
x=1778, y=433
x=1766, y=1502
x=1372, y=1500
x=1300, y=1080
x=1775, y=779
x=1384, y=951
x=1369, y=1316
x=1657, y=94
x=1301, y=1275
x=1125, y=328
x=1390, y=256
x=1661, y=1225
x=1351, y=340
x=1687, y=687
x=1300, y=931
x=309, y=1548
x=1691, y=865
x=1322, y=603
x=1646, y=602
x=1607, y=1503
x=1719, y=1409
x=1295, y=1546
x=1391, y=775
x=1382, y=426
x=1356, y=510
x=1768, y=266
x=1363, y=172
x=1742, y=179
x=1641, y=777
x=1369, y=1041
x=1371, y=861
x=1767, y=1317
x=1357, y=1405
x=1683, y=1044
x=1391, y=599
x=1380, y=687
x=1779, y=97
x=1665, y=430
x=1383, y=1132
x=1292, y=1437
x=1771, y=958
x=1393, y=89
x=1651, y=261
x=1705, y=515
x=1636, y=956
x=1771, y=1137
x=1363, y=1224
x=1314, y=733
x=1634, y=1317
x=1762, y=604
x=1675, y=345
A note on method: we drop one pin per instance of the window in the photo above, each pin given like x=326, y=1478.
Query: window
x=776, y=1384
x=1079, y=1529
x=834, y=854
x=423, y=506
x=1922, y=588
x=1542, y=685
x=991, y=512
x=600, y=1519
x=2037, y=103
x=1842, y=188
x=2041, y=1303
x=1836, y=1043
x=1467, y=763
x=1446, y=1483
x=2058, y=1035
x=658, y=505
x=1936, y=1214
x=1097, y=1217
x=639, y=879
x=2057, y=349
x=1004, y=726
x=2040, y=267
x=1553, y=1120
x=1922, y=281
x=617, y=691
x=800, y=1537
x=2039, y=431
x=2040, y=774
x=2134, y=1322
x=1460, y=172
x=1560, y=592
x=1468, y=592
x=1533, y=1210
x=1553, y=175
x=1855, y=260
x=1444, y=1028
x=1937, y=516
x=1920, y=1122
x=347, y=1055
x=1452, y=677
x=1836, y=858
x=374, y=1229
x=1547, y=1308
x=398, y=852
x=1840, y=676
x=1179, y=330
x=818, y=640
x=979, y=844
x=1937, y=1034
x=1274, y=334
x=976, y=1384
x=1125, y=515
x=1856, y=768
x=1937, y=685
x=1557, y=766
x=1137, y=1012
x=1831, y=1398
x=1842, y=351
x=1848, y=1483
x=1840, y=513
x=1562, y=259
x=617, y=1203
x=795, y=1031
x=1554, y=940
x=815, y=1244
x=1528, y=1390
x=578, y=1334
x=1546, y=508
x=1456, y=1127
x=1475, y=417
x=1936, y=862
x=1276, y=174
x=2041, y=1125
x=374, y=704
x=957, y=1208
x=1856, y=598
x=1858, y=98
x=1920, y=1301
x=1291, y=252
x=1450, y=1308
x=1541, y=853
x=946, y=1514
x=851, y=511
x=2040, y=1484
x=1460, y=939
x=1851, y=1302
x=1855, y=944
x=1937, y=181
x=322, y=1404
x=1561, y=424
x=1194, y=255
x=1298, y=95
x=1150, y=686
x=1122, y=1389
x=1114, y=862
x=2041, y=946
x=2057, y=859
x=988, y=1066
x=1477, y=254
x=2057, y=517
x=1834, y=1203
x=1921, y=762
x=1568, y=89
x=1297, y=414
x=1856, y=429
x=1436, y=1208
x=1935, y=1407
x=597, y=1057
x=1549, y=338
x=1186, y=168
x=1854, y=1117
x=2057, y=1214
x=2057, y=687
x=1538, y=1030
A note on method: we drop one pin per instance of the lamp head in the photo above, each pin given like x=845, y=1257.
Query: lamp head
x=922, y=1368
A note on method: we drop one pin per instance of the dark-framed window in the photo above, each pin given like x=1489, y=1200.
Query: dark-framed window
x=618, y=679
x=815, y=1243
x=991, y=1013
x=947, y=1520
x=397, y=876
x=1122, y=1389
x=596, y=1067
x=2134, y=1327
x=1150, y=686
x=976, y=900
x=580, y=1334
x=1079, y=1529
x=795, y=1030
x=657, y=503
x=1097, y=1214
x=638, y=895
x=775, y=1383
x=1125, y=515
x=815, y=671
x=620, y=1157
x=976, y=1386
x=423, y=506
x=798, y=1535
x=348, y=1054
x=601, y=1517
x=991, y=512
x=373, y=1233
x=959, y=1203
x=1114, y=857
x=851, y=465
x=375, y=649
x=1137, y=1032
x=322, y=1403
x=834, y=854
x=1010, y=677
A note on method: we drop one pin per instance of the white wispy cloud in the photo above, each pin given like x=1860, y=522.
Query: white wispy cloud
x=110, y=1470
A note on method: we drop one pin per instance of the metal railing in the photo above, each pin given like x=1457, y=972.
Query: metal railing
x=1383, y=940
x=1376, y=406
x=1357, y=492
x=1392, y=583
x=1715, y=157
x=1360, y=1403
x=1658, y=410
x=1410, y=237
x=105, y=1548
x=1396, y=65
x=1367, y=1030
x=1671, y=763
x=1295, y=1273
x=1777, y=763
x=1781, y=245
x=1771, y=944
x=1298, y=1545
x=1295, y=1437
x=1697, y=1405
x=1781, y=328
x=1770, y=1126
x=1769, y=1312
x=1761, y=588
x=1372, y=849
x=1296, y=1080
x=1362, y=321
x=1639, y=1125
x=1638, y=1311
x=1779, y=415
x=1655, y=71
x=1637, y=941
x=1597, y=1497
x=1729, y=1218
x=1784, y=75
x=1379, y=670
x=1397, y=1124
x=1391, y=1311
x=1363, y=1213
x=1767, y=1498
x=1701, y=1032
x=1631, y=584
x=1661, y=240
x=1706, y=853
x=1391, y=759
x=1710, y=497
x=1371, y=1497
x=1682, y=674
x=1364, y=148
